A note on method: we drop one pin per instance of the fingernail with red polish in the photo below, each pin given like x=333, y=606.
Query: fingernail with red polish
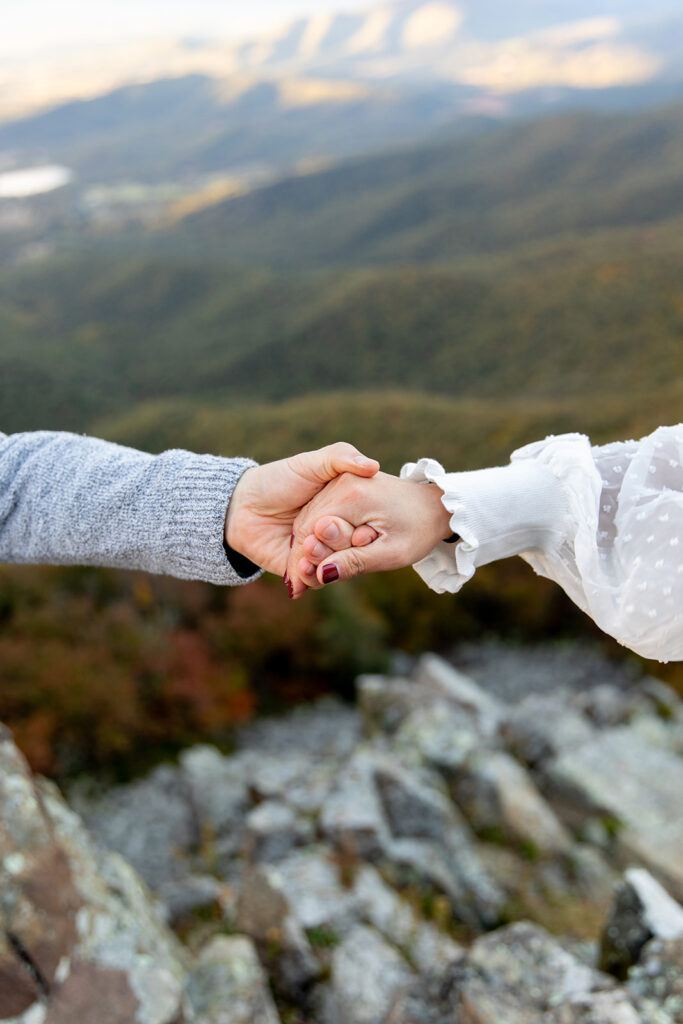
x=290, y=588
x=330, y=573
x=291, y=540
x=285, y=579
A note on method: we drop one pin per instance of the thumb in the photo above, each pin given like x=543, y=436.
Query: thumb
x=326, y=463
x=378, y=556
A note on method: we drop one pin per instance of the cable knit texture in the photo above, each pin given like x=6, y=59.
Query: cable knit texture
x=72, y=500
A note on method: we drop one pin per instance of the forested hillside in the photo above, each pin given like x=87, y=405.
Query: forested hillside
x=90, y=337
x=541, y=260
x=493, y=191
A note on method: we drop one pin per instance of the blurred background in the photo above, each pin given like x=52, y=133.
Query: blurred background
x=430, y=228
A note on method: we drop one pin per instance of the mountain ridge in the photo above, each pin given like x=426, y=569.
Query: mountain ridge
x=452, y=199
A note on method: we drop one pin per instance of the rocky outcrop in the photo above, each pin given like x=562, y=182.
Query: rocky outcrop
x=631, y=787
x=354, y=866
x=80, y=930
x=641, y=911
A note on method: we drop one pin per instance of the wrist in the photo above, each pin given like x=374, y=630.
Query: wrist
x=236, y=517
x=440, y=528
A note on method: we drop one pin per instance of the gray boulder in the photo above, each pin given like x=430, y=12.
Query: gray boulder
x=632, y=786
x=272, y=830
x=656, y=982
x=180, y=900
x=605, y=705
x=597, y=1008
x=149, y=822
x=385, y=702
x=216, y=788
x=264, y=914
x=414, y=805
x=291, y=777
x=81, y=937
x=318, y=898
x=352, y=818
x=366, y=975
x=521, y=975
x=642, y=910
x=430, y=999
x=436, y=736
x=543, y=726
x=229, y=986
x=501, y=801
x=425, y=946
x=451, y=868
x=442, y=680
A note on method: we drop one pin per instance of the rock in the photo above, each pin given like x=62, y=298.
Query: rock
x=384, y=702
x=120, y=927
x=19, y=986
x=295, y=758
x=597, y=1008
x=275, y=777
x=217, y=790
x=451, y=868
x=318, y=900
x=264, y=914
x=325, y=731
x=663, y=699
x=521, y=975
x=431, y=999
x=272, y=831
x=605, y=705
x=444, y=681
x=150, y=823
x=642, y=910
x=82, y=939
x=424, y=945
x=543, y=726
x=366, y=975
x=660, y=732
x=93, y=995
x=433, y=847
x=434, y=735
x=413, y=806
x=229, y=986
x=592, y=874
x=180, y=900
x=500, y=800
x=352, y=817
x=634, y=787
x=39, y=898
x=656, y=982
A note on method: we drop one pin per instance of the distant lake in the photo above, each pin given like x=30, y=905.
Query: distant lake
x=33, y=181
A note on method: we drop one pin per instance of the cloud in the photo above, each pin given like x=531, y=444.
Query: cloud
x=431, y=25
x=581, y=55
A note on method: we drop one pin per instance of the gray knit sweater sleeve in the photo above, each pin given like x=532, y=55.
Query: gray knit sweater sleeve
x=71, y=500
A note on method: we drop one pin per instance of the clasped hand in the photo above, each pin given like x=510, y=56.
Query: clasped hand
x=329, y=515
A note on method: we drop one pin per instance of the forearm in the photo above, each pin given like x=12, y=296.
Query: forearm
x=66, y=499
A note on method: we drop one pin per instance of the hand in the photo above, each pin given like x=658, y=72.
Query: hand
x=356, y=526
x=268, y=498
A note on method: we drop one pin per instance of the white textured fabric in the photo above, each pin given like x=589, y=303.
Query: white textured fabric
x=606, y=523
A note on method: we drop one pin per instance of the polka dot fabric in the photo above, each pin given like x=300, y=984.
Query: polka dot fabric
x=622, y=557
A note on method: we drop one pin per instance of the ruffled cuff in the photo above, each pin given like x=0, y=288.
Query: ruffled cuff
x=496, y=512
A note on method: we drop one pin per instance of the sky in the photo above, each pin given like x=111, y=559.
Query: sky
x=35, y=26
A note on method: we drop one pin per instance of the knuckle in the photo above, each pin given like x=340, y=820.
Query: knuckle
x=354, y=563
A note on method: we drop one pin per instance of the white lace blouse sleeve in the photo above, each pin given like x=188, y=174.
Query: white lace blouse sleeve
x=606, y=523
